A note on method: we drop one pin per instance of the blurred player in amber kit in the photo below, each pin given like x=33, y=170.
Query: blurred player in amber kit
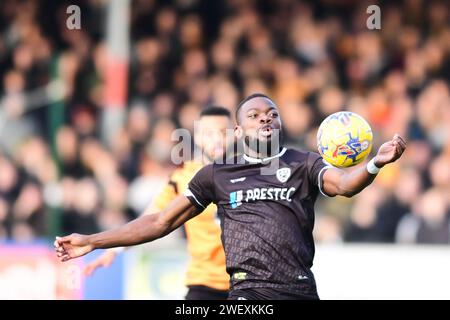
x=206, y=276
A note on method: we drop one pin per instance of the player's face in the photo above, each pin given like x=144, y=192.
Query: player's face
x=214, y=138
x=259, y=118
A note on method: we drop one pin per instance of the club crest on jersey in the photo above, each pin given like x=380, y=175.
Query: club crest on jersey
x=283, y=174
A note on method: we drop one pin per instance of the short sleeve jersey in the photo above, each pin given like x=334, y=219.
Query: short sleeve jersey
x=266, y=209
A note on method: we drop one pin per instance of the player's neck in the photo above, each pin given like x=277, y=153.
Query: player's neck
x=249, y=152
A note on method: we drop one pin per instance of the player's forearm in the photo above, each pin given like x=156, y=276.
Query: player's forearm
x=143, y=229
x=147, y=227
x=352, y=183
x=151, y=210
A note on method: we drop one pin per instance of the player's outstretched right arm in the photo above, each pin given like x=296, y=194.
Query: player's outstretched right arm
x=108, y=257
x=146, y=228
x=161, y=201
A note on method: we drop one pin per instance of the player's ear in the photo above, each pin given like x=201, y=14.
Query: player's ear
x=238, y=132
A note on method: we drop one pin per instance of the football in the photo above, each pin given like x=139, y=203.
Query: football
x=344, y=139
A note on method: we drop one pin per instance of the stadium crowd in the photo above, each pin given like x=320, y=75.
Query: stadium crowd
x=313, y=57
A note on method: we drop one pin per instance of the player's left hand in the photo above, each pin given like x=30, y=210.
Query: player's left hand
x=390, y=151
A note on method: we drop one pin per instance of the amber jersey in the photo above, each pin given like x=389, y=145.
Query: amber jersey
x=207, y=258
x=267, y=218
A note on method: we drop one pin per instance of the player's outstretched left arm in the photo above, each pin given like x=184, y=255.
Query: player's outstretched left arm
x=340, y=182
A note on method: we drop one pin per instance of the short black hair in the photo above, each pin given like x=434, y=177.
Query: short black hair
x=215, y=111
x=250, y=97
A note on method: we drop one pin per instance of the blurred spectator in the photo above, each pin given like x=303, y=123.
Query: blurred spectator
x=428, y=222
x=362, y=224
x=406, y=190
x=28, y=209
x=83, y=210
x=67, y=146
x=328, y=229
x=9, y=180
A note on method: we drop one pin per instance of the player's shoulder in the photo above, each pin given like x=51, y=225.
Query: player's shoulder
x=204, y=176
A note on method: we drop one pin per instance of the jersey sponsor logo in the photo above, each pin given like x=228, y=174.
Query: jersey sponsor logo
x=238, y=180
x=277, y=194
x=302, y=277
x=283, y=174
x=240, y=275
x=236, y=198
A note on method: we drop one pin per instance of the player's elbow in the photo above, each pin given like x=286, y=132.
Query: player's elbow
x=348, y=193
x=161, y=228
x=345, y=188
x=154, y=228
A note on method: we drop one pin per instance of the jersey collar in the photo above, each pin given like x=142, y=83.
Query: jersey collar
x=258, y=160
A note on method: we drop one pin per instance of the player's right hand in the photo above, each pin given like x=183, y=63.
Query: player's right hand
x=390, y=151
x=72, y=246
x=105, y=260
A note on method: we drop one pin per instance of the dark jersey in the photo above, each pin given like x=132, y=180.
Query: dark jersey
x=267, y=217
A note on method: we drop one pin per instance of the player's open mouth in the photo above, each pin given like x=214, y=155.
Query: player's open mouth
x=266, y=131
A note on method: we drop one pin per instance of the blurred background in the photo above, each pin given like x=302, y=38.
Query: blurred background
x=86, y=117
